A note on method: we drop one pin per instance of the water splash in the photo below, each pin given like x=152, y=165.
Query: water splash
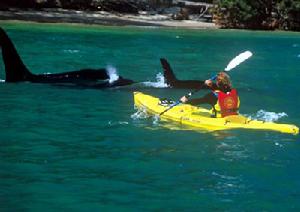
x=140, y=114
x=112, y=73
x=268, y=116
x=156, y=120
x=160, y=82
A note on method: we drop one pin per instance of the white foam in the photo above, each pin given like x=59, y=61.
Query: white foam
x=112, y=123
x=268, y=116
x=160, y=82
x=140, y=114
x=1, y=80
x=112, y=73
x=71, y=51
x=156, y=119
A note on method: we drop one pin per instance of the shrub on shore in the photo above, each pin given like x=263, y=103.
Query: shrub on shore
x=243, y=14
x=264, y=14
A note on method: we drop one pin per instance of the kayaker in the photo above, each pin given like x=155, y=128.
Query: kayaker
x=223, y=98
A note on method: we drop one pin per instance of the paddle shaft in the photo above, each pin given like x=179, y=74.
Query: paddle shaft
x=178, y=102
x=232, y=64
x=188, y=95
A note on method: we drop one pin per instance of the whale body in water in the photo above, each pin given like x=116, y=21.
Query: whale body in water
x=16, y=70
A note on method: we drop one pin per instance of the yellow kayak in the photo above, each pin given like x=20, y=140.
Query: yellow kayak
x=200, y=117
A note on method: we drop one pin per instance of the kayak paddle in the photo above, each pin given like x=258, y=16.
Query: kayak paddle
x=231, y=65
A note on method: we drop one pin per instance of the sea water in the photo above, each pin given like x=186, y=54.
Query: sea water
x=64, y=148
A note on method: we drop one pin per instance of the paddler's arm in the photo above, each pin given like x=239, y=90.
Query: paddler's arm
x=209, y=98
x=211, y=85
x=208, y=83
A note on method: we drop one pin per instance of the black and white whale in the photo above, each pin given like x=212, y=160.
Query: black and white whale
x=173, y=82
x=16, y=71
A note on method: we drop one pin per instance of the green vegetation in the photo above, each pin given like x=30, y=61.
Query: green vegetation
x=261, y=14
x=246, y=14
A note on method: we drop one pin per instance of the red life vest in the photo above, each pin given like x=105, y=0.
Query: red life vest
x=228, y=102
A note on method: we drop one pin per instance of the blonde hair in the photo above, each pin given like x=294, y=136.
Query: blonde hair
x=224, y=79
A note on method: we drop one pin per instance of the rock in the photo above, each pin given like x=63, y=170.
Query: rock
x=182, y=15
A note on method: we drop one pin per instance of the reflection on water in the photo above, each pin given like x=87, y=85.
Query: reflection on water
x=141, y=117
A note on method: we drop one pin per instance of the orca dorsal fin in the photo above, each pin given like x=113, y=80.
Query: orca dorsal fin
x=15, y=69
x=168, y=72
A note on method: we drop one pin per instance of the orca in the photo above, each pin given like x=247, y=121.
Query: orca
x=16, y=71
x=173, y=82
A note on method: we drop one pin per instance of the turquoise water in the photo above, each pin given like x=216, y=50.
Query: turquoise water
x=84, y=150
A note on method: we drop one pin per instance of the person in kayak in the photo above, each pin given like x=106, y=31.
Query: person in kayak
x=223, y=98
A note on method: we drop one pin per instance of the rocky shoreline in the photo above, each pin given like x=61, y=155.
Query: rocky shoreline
x=103, y=18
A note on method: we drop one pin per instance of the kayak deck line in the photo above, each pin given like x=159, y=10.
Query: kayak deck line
x=200, y=117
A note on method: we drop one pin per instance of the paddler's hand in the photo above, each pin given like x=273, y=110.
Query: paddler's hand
x=183, y=99
x=208, y=82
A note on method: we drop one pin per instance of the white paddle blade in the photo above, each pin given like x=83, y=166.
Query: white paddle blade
x=238, y=59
